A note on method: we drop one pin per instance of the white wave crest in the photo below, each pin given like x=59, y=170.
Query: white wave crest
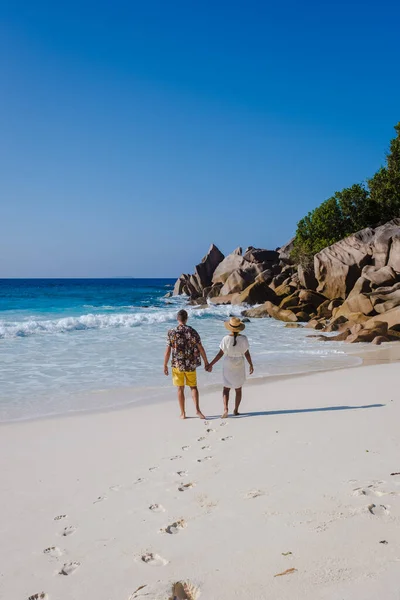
x=34, y=326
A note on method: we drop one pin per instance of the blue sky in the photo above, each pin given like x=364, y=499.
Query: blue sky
x=134, y=134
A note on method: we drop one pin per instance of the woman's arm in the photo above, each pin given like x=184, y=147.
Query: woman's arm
x=248, y=358
x=215, y=360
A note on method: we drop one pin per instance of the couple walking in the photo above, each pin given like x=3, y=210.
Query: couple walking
x=187, y=351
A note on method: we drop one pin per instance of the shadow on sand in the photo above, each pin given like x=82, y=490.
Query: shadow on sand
x=295, y=411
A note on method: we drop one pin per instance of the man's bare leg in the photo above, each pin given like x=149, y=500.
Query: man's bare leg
x=181, y=400
x=238, y=400
x=195, y=396
x=225, y=397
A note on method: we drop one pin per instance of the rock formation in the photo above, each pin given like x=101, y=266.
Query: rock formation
x=352, y=289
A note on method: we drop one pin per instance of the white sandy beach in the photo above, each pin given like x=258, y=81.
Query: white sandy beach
x=302, y=481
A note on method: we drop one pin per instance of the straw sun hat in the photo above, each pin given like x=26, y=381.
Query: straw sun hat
x=235, y=325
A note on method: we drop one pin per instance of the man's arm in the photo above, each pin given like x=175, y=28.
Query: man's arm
x=203, y=354
x=166, y=359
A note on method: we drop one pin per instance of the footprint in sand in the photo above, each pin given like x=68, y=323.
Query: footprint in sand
x=205, y=447
x=204, y=459
x=115, y=488
x=210, y=430
x=156, y=508
x=153, y=468
x=201, y=439
x=184, y=590
x=370, y=490
x=223, y=424
x=177, y=457
x=378, y=511
x=154, y=560
x=206, y=423
x=174, y=528
x=53, y=551
x=100, y=499
x=139, y=480
x=185, y=447
x=59, y=517
x=69, y=568
x=182, y=473
x=186, y=486
x=254, y=494
x=68, y=531
x=225, y=439
x=39, y=596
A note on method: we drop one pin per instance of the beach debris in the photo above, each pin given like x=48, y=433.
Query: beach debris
x=59, y=517
x=286, y=553
x=141, y=587
x=287, y=572
x=69, y=568
x=393, y=474
x=184, y=590
x=383, y=542
x=39, y=596
x=185, y=486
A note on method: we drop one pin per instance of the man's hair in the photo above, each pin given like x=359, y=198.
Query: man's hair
x=182, y=316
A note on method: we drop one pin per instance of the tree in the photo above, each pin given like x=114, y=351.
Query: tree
x=385, y=184
x=352, y=209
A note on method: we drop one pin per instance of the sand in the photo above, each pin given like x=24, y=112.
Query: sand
x=293, y=500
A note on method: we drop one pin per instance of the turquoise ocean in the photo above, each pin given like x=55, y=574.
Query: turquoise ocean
x=70, y=345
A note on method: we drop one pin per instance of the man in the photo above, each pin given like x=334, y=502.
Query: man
x=186, y=347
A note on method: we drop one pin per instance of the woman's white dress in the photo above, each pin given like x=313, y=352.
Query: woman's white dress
x=234, y=372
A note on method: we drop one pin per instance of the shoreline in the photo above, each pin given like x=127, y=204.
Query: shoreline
x=301, y=480
x=367, y=356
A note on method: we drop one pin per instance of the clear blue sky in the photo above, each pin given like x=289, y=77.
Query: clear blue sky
x=134, y=134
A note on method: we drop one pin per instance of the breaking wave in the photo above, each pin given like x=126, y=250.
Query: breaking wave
x=33, y=326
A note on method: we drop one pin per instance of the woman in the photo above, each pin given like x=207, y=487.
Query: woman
x=235, y=347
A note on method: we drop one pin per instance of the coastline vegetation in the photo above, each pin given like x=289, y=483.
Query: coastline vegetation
x=353, y=208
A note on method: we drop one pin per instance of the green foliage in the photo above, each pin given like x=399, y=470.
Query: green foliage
x=352, y=209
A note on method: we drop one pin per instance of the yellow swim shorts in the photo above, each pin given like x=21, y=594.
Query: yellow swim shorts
x=181, y=378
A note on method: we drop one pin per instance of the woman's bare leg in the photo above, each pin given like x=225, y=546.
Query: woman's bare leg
x=225, y=397
x=238, y=400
